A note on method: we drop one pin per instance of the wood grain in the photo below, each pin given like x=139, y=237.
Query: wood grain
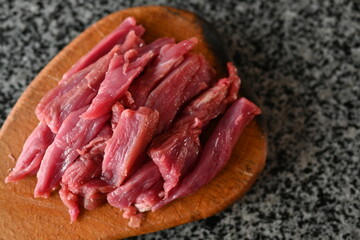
x=23, y=217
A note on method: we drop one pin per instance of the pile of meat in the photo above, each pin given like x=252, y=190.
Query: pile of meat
x=124, y=125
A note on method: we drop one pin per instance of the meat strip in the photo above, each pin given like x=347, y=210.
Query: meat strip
x=169, y=57
x=131, y=136
x=97, y=145
x=155, y=46
x=203, y=78
x=32, y=153
x=143, y=189
x=123, y=69
x=116, y=111
x=214, y=101
x=142, y=180
x=217, y=150
x=90, y=195
x=71, y=96
x=167, y=97
x=94, y=193
x=71, y=201
x=74, y=134
x=115, y=37
x=88, y=165
x=60, y=90
x=175, y=152
x=82, y=177
x=148, y=198
x=84, y=169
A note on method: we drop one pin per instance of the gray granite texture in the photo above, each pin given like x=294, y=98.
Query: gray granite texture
x=303, y=58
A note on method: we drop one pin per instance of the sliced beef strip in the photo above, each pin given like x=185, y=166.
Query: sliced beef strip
x=32, y=153
x=168, y=96
x=115, y=37
x=217, y=150
x=123, y=69
x=75, y=133
x=170, y=56
x=175, y=152
x=68, y=97
x=126, y=147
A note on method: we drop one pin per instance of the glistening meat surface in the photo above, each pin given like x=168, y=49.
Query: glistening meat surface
x=32, y=153
x=71, y=201
x=169, y=96
x=123, y=69
x=82, y=177
x=74, y=134
x=143, y=179
x=96, y=134
x=80, y=91
x=175, y=152
x=115, y=37
x=217, y=150
x=169, y=57
x=202, y=79
x=139, y=193
x=131, y=136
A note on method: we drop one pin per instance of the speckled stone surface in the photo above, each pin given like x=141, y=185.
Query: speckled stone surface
x=303, y=58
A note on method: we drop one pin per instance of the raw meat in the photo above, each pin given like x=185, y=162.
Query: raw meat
x=80, y=79
x=97, y=145
x=235, y=83
x=217, y=150
x=71, y=201
x=214, y=101
x=84, y=169
x=143, y=190
x=148, y=198
x=71, y=96
x=115, y=37
x=32, y=153
x=88, y=165
x=169, y=57
x=97, y=124
x=203, y=78
x=132, y=214
x=74, y=134
x=165, y=92
x=82, y=177
x=116, y=111
x=155, y=46
x=123, y=69
x=131, y=136
x=90, y=195
x=60, y=90
x=94, y=193
x=143, y=179
x=127, y=100
x=176, y=151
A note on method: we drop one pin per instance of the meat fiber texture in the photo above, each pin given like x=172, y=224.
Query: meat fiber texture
x=33, y=152
x=217, y=150
x=124, y=124
x=131, y=136
x=176, y=151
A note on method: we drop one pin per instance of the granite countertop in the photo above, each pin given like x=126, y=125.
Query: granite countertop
x=303, y=60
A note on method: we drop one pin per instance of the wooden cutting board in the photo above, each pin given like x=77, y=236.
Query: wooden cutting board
x=23, y=217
